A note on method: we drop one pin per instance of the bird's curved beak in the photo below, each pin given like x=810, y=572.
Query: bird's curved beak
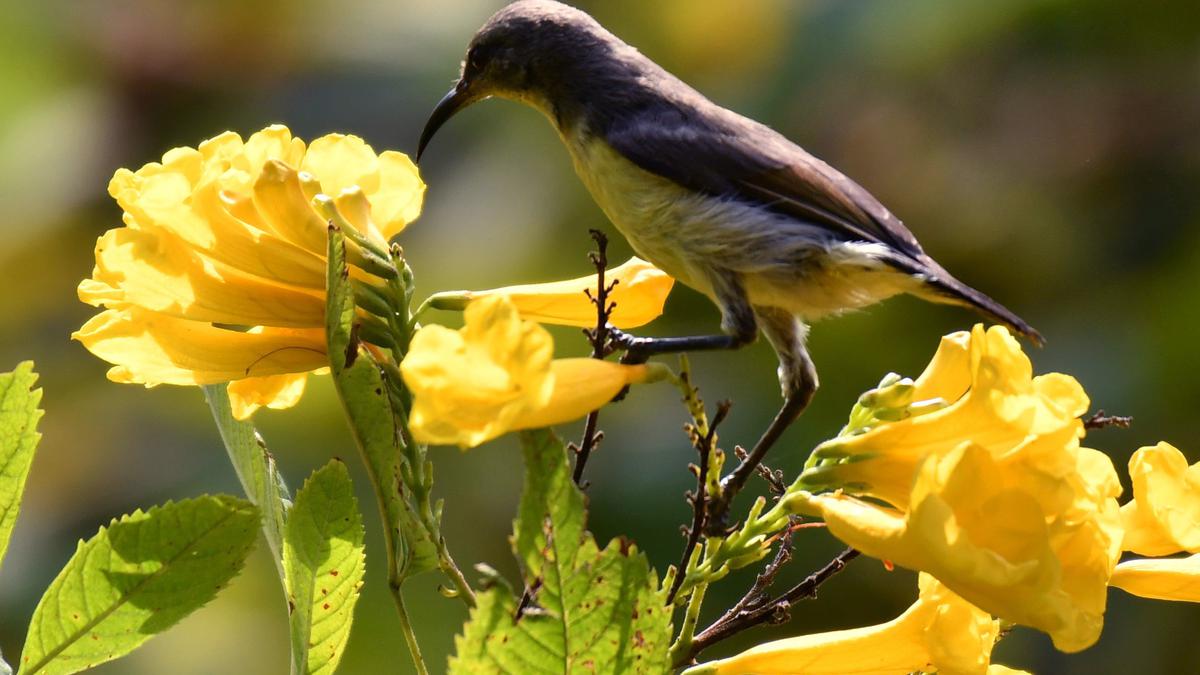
x=456, y=99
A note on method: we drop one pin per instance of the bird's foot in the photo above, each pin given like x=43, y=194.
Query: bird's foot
x=637, y=349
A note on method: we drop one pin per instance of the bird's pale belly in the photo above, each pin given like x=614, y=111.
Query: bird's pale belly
x=779, y=261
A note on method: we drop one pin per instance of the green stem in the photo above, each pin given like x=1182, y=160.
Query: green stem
x=691, y=617
x=393, y=566
x=406, y=627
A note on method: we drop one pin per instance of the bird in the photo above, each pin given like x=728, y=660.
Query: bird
x=774, y=236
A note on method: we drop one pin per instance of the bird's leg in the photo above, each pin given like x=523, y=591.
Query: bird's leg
x=638, y=349
x=737, y=320
x=798, y=378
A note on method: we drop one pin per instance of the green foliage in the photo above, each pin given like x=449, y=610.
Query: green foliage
x=255, y=468
x=135, y=578
x=324, y=564
x=590, y=610
x=374, y=420
x=19, y=415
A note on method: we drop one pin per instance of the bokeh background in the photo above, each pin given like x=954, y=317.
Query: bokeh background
x=1046, y=151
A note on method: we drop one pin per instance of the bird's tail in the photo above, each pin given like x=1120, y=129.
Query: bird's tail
x=947, y=289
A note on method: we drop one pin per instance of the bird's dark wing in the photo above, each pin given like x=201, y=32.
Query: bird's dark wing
x=714, y=151
x=718, y=152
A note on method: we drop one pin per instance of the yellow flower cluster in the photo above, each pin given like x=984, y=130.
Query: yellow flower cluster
x=990, y=491
x=219, y=272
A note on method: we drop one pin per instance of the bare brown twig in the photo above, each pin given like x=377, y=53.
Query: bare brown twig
x=704, y=447
x=755, y=610
x=1100, y=421
x=600, y=338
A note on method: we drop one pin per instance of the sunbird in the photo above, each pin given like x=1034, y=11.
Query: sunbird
x=775, y=237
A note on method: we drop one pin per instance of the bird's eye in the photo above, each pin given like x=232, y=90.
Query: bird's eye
x=474, y=60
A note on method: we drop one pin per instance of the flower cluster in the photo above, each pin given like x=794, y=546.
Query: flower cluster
x=991, y=492
x=219, y=272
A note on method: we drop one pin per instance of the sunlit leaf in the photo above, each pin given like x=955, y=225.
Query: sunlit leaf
x=135, y=578
x=588, y=610
x=323, y=560
x=19, y=415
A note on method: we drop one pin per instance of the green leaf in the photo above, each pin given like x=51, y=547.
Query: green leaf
x=366, y=399
x=19, y=415
x=135, y=578
x=255, y=468
x=323, y=559
x=592, y=611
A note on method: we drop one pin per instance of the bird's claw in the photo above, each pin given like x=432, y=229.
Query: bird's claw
x=635, y=348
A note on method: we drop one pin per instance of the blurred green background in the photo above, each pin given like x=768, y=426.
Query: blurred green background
x=1045, y=151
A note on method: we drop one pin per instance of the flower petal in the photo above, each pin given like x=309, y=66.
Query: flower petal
x=580, y=386
x=151, y=348
x=1164, y=516
x=159, y=272
x=273, y=391
x=284, y=208
x=400, y=196
x=340, y=161
x=1160, y=579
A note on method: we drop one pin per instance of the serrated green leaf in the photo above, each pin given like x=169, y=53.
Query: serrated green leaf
x=19, y=415
x=255, y=468
x=592, y=611
x=365, y=398
x=135, y=578
x=323, y=559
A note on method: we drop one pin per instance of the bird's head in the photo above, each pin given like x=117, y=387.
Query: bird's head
x=534, y=51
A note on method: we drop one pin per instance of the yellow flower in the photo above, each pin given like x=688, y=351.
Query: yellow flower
x=1162, y=579
x=219, y=272
x=638, y=297
x=497, y=374
x=990, y=492
x=1164, y=515
x=939, y=632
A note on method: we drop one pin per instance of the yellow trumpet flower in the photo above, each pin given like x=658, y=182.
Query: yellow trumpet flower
x=940, y=632
x=219, y=272
x=1164, y=515
x=638, y=297
x=497, y=374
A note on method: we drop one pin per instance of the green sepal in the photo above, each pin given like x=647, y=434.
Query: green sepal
x=374, y=417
